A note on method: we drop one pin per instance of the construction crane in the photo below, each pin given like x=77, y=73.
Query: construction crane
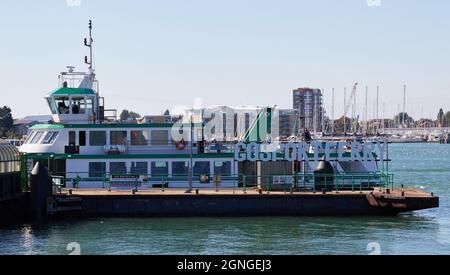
x=349, y=103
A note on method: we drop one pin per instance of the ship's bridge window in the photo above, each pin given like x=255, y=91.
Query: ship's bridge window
x=89, y=103
x=52, y=105
x=62, y=104
x=50, y=137
x=78, y=105
x=139, y=137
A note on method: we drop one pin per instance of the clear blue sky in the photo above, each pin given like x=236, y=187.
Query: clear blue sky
x=153, y=55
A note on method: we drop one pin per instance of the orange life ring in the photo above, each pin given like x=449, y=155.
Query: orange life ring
x=180, y=145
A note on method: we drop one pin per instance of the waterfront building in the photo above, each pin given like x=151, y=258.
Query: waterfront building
x=309, y=103
x=21, y=126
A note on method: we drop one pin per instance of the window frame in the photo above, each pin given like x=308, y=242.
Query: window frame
x=93, y=138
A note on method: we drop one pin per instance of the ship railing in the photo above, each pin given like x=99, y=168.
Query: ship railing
x=313, y=182
x=301, y=182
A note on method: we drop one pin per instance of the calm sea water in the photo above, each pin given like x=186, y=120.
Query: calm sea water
x=425, y=166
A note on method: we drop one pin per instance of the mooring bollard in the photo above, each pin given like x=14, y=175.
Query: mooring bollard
x=41, y=188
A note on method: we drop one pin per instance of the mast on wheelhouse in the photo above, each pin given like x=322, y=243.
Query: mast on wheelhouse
x=77, y=100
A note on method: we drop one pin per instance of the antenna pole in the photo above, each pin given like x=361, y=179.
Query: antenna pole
x=89, y=45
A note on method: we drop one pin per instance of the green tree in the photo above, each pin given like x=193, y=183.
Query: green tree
x=403, y=119
x=446, y=120
x=126, y=115
x=339, y=125
x=134, y=115
x=6, y=120
x=440, y=117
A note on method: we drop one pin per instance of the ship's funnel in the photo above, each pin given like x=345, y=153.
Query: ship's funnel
x=88, y=81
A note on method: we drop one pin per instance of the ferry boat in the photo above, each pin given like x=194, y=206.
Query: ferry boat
x=87, y=147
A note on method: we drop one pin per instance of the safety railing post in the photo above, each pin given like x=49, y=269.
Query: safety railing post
x=353, y=185
x=108, y=176
x=234, y=184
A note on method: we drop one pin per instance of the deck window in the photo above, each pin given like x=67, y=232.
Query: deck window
x=222, y=167
x=82, y=138
x=180, y=168
x=117, y=168
x=160, y=137
x=118, y=137
x=160, y=168
x=37, y=137
x=201, y=168
x=50, y=137
x=139, y=137
x=72, y=138
x=97, y=138
x=140, y=168
x=30, y=137
x=97, y=169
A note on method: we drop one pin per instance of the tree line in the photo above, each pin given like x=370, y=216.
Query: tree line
x=6, y=122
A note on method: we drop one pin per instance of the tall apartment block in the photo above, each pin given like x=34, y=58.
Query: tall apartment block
x=308, y=102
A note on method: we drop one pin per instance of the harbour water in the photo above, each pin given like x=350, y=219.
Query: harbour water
x=425, y=166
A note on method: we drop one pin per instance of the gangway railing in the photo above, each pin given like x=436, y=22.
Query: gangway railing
x=301, y=182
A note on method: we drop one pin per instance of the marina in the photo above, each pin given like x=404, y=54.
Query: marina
x=209, y=131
